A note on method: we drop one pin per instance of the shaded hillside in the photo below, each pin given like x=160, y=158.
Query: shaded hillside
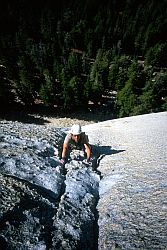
x=68, y=53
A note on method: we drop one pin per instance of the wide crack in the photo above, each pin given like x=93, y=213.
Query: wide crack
x=76, y=219
x=67, y=222
x=43, y=205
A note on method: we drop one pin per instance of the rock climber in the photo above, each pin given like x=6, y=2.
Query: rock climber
x=75, y=137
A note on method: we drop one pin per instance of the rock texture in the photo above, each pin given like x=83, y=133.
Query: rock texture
x=119, y=202
x=132, y=203
x=44, y=205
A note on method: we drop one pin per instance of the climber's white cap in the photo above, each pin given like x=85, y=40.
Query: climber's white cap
x=76, y=129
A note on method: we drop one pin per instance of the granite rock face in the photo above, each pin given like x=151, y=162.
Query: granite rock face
x=132, y=204
x=43, y=205
x=119, y=202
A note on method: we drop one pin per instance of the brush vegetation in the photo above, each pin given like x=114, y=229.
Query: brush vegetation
x=67, y=54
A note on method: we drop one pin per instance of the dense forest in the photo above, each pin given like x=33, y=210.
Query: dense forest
x=67, y=54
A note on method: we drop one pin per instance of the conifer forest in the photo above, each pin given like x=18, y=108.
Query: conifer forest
x=67, y=54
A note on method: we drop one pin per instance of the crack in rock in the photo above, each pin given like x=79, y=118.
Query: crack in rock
x=44, y=206
x=75, y=222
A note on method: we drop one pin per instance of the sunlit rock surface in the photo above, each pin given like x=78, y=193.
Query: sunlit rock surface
x=132, y=203
x=118, y=204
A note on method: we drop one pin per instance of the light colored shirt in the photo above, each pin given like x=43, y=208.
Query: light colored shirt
x=82, y=140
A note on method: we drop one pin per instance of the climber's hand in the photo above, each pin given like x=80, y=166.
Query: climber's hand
x=87, y=162
x=62, y=161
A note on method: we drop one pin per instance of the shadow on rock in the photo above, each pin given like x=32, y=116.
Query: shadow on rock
x=24, y=118
x=107, y=150
x=21, y=113
x=101, y=151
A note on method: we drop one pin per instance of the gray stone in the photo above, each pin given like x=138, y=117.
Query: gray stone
x=132, y=192
x=119, y=203
x=43, y=205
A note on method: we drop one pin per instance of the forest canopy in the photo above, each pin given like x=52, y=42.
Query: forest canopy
x=66, y=54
